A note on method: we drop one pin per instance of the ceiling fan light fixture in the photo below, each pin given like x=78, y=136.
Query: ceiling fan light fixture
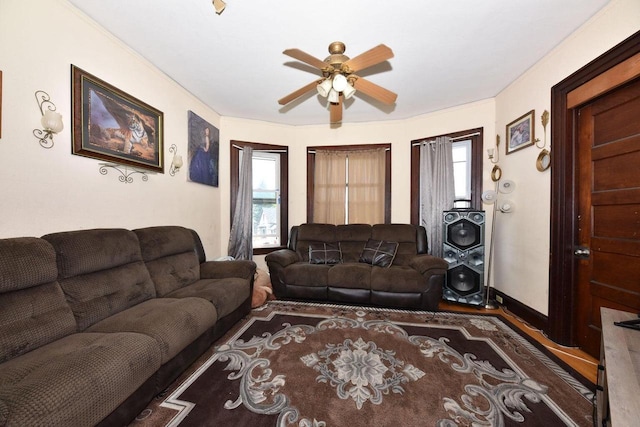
x=348, y=92
x=219, y=6
x=340, y=82
x=324, y=87
x=334, y=96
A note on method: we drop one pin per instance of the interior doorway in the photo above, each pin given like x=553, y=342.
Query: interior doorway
x=607, y=238
x=590, y=256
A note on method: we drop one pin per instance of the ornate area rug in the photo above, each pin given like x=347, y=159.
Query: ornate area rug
x=296, y=364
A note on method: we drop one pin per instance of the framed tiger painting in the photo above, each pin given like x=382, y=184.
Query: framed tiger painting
x=113, y=126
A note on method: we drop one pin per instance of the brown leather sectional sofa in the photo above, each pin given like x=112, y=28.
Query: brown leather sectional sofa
x=95, y=323
x=381, y=265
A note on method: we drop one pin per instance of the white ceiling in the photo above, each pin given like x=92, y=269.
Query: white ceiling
x=447, y=52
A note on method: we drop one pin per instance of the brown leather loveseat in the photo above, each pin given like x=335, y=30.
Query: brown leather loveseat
x=381, y=265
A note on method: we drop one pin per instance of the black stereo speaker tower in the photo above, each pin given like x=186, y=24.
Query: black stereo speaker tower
x=463, y=249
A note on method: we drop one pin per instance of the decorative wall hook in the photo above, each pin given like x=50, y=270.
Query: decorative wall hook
x=125, y=175
x=543, y=162
x=51, y=120
x=494, y=153
x=176, y=163
x=545, y=120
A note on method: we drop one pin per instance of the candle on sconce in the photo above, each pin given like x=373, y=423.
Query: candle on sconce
x=52, y=121
x=177, y=162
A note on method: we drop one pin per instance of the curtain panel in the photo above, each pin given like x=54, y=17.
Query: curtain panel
x=241, y=236
x=366, y=186
x=437, y=191
x=330, y=195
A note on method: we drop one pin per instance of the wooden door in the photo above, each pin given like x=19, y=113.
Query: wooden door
x=607, y=242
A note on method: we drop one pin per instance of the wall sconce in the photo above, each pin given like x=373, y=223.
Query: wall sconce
x=494, y=152
x=51, y=120
x=176, y=163
x=543, y=162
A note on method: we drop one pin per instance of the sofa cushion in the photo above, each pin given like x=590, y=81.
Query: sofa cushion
x=324, y=253
x=159, y=242
x=173, y=322
x=399, y=279
x=379, y=252
x=76, y=380
x=26, y=262
x=33, y=310
x=313, y=233
x=30, y=318
x=171, y=257
x=405, y=234
x=174, y=272
x=352, y=238
x=98, y=295
x=350, y=275
x=87, y=251
x=225, y=294
x=101, y=272
x=305, y=274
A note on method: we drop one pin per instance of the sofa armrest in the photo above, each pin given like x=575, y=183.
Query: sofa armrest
x=282, y=257
x=223, y=269
x=277, y=261
x=428, y=264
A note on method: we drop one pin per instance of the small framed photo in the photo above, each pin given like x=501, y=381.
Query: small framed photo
x=520, y=132
x=113, y=126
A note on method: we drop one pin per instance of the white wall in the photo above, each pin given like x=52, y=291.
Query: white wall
x=397, y=133
x=45, y=191
x=522, y=238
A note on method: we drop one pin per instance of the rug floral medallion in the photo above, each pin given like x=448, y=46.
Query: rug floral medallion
x=306, y=365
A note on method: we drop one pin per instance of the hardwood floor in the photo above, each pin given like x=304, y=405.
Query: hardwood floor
x=583, y=363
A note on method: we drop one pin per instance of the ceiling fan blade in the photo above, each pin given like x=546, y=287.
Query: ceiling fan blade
x=335, y=111
x=306, y=58
x=369, y=58
x=373, y=90
x=298, y=93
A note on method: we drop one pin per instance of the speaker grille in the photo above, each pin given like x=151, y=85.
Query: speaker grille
x=464, y=234
x=463, y=249
x=463, y=280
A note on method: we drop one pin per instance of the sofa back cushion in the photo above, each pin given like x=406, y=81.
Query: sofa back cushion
x=406, y=235
x=352, y=239
x=101, y=272
x=33, y=310
x=171, y=255
x=312, y=233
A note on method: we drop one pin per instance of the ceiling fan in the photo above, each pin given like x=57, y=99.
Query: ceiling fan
x=338, y=79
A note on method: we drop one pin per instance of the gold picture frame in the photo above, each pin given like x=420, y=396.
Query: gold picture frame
x=520, y=133
x=113, y=126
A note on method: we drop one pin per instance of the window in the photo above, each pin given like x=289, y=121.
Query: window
x=461, y=152
x=266, y=199
x=344, y=182
x=467, y=163
x=270, y=185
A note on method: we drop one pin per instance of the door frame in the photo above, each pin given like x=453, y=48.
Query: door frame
x=562, y=269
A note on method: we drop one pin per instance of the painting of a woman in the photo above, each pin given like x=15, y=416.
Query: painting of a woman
x=203, y=151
